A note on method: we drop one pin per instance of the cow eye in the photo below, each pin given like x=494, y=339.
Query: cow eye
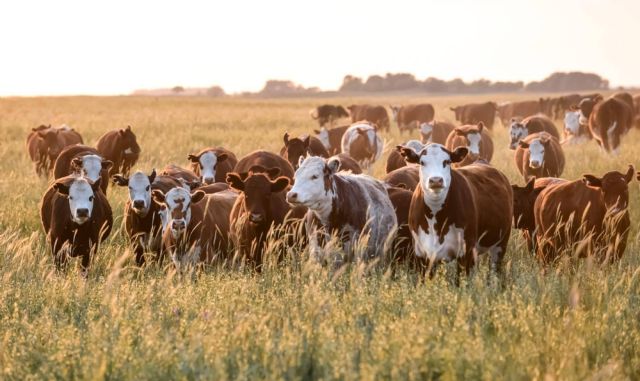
x=314, y=177
x=147, y=188
x=70, y=197
x=90, y=198
x=446, y=162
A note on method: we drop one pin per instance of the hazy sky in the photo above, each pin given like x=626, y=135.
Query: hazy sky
x=114, y=47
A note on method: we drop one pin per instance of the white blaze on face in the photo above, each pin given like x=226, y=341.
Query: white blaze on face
x=474, y=143
x=323, y=136
x=426, y=130
x=80, y=201
x=92, y=166
x=572, y=122
x=414, y=145
x=517, y=131
x=140, y=192
x=435, y=163
x=208, y=162
x=178, y=198
x=536, y=152
x=309, y=185
x=163, y=213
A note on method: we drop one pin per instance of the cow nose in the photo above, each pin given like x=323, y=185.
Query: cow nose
x=256, y=217
x=292, y=196
x=535, y=164
x=208, y=180
x=138, y=204
x=178, y=225
x=82, y=212
x=436, y=182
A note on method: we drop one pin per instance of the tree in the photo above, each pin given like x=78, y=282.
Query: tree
x=215, y=92
x=178, y=90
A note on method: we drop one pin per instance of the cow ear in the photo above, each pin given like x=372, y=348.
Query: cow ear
x=197, y=196
x=96, y=184
x=300, y=160
x=61, y=188
x=629, y=176
x=480, y=126
x=279, y=184
x=452, y=109
x=222, y=157
x=107, y=164
x=152, y=176
x=410, y=156
x=459, y=131
x=193, y=158
x=286, y=139
x=523, y=144
x=235, y=181
x=158, y=196
x=530, y=184
x=317, y=132
x=273, y=172
x=332, y=166
x=120, y=180
x=128, y=128
x=122, y=131
x=459, y=154
x=592, y=181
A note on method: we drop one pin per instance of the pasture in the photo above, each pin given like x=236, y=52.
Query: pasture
x=578, y=320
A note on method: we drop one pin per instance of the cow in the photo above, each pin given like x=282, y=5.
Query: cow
x=576, y=129
x=258, y=212
x=186, y=176
x=590, y=214
x=565, y=103
x=524, y=199
x=375, y=114
x=406, y=177
x=435, y=132
x=87, y=160
x=608, y=120
x=355, y=207
x=76, y=218
x=403, y=243
x=539, y=155
x=518, y=110
x=409, y=116
x=536, y=123
x=142, y=219
x=331, y=138
x=298, y=147
x=363, y=144
x=212, y=164
x=395, y=160
x=197, y=226
x=121, y=147
x=45, y=143
x=347, y=163
x=475, y=113
x=328, y=114
x=476, y=139
x=265, y=159
x=458, y=213
x=636, y=107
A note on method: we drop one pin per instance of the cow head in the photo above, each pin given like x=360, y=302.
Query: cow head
x=53, y=144
x=363, y=139
x=426, y=131
x=614, y=187
x=473, y=135
x=81, y=194
x=313, y=185
x=295, y=149
x=205, y=164
x=341, y=112
x=523, y=200
x=394, y=112
x=517, y=131
x=457, y=111
x=178, y=208
x=586, y=107
x=323, y=136
x=139, y=186
x=257, y=189
x=128, y=141
x=572, y=122
x=90, y=166
x=536, y=149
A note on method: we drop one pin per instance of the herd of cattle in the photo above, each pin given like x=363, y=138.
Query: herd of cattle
x=440, y=200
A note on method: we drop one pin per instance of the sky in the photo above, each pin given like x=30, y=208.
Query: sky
x=67, y=47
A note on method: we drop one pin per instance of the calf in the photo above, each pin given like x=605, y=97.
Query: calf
x=539, y=155
x=328, y=114
x=537, y=123
x=363, y=144
x=458, y=213
x=374, y=114
x=435, y=132
x=298, y=147
x=212, y=164
x=478, y=142
x=197, y=228
x=355, y=207
x=591, y=212
x=45, y=143
x=142, y=220
x=609, y=120
x=407, y=117
x=475, y=113
x=121, y=147
x=331, y=139
x=85, y=160
x=407, y=177
x=267, y=160
x=76, y=217
x=395, y=160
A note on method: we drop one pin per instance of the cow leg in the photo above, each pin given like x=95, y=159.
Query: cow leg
x=59, y=251
x=138, y=249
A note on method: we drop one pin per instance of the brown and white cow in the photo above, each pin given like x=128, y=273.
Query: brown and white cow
x=536, y=123
x=212, y=164
x=409, y=116
x=362, y=142
x=76, y=217
x=327, y=114
x=355, y=207
x=435, y=132
x=85, y=160
x=475, y=113
x=458, y=213
x=476, y=139
x=347, y=163
x=371, y=113
x=197, y=228
x=331, y=138
x=45, y=143
x=395, y=160
x=590, y=214
x=405, y=177
x=142, y=219
x=299, y=147
x=539, y=155
x=265, y=159
x=609, y=119
x=121, y=147
x=576, y=128
x=518, y=110
x=258, y=213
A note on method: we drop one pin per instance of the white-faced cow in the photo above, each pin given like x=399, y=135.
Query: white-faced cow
x=536, y=123
x=539, y=155
x=395, y=159
x=121, y=147
x=363, y=144
x=435, y=132
x=212, y=164
x=477, y=140
x=84, y=160
x=295, y=148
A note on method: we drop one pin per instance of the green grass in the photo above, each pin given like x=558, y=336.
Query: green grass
x=296, y=321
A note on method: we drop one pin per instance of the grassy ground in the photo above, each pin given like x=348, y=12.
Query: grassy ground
x=577, y=321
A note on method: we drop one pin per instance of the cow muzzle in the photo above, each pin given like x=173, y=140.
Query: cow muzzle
x=178, y=225
x=256, y=218
x=208, y=180
x=292, y=197
x=138, y=205
x=535, y=164
x=436, y=183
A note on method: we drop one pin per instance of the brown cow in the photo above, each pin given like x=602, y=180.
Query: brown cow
x=636, y=104
x=328, y=114
x=395, y=160
x=518, y=110
x=539, y=155
x=45, y=143
x=375, y=114
x=267, y=160
x=297, y=148
x=407, y=177
x=331, y=139
x=121, y=147
x=475, y=113
x=435, y=132
x=186, y=176
x=347, y=163
x=76, y=217
x=536, y=123
x=476, y=139
x=197, y=229
x=84, y=159
x=403, y=243
x=409, y=116
x=212, y=164
x=142, y=217
x=609, y=120
x=591, y=213
x=458, y=213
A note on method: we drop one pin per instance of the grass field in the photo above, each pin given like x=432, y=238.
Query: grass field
x=577, y=321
